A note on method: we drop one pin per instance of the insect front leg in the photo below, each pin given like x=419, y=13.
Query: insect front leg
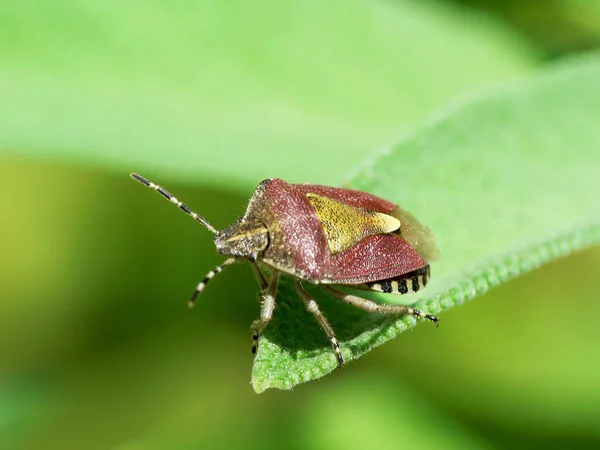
x=312, y=307
x=268, y=305
x=260, y=277
x=371, y=306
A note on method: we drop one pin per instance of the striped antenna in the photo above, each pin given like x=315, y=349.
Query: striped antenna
x=209, y=276
x=166, y=194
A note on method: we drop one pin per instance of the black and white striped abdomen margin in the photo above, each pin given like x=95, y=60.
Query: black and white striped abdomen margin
x=404, y=284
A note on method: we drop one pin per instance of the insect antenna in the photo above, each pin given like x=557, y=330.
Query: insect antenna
x=207, y=278
x=166, y=194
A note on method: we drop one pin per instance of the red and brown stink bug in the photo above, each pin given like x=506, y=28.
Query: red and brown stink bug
x=327, y=236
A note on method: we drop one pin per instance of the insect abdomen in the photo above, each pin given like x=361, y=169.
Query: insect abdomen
x=404, y=284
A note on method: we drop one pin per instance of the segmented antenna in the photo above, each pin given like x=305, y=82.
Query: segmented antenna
x=209, y=276
x=166, y=194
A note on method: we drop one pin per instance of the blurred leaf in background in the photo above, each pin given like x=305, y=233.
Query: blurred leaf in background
x=300, y=89
x=97, y=347
x=556, y=27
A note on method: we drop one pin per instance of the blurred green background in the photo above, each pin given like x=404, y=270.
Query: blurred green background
x=98, y=348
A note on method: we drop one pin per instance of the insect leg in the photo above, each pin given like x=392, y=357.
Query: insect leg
x=207, y=278
x=312, y=307
x=260, y=277
x=266, y=313
x=371, y=306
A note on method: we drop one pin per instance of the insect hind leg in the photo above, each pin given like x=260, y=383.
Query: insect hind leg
x=371, y=306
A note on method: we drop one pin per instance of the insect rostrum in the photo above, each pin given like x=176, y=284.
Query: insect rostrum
x=327, y=236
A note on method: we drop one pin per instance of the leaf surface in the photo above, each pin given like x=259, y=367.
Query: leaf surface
x=507, y=181
x=233, y=93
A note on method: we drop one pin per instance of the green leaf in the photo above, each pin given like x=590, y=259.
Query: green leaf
x=507, y=181
x=231, y=93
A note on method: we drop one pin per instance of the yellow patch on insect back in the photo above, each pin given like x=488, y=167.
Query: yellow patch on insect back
x=345, y=225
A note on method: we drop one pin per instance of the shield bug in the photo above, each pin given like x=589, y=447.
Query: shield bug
x=326, y=236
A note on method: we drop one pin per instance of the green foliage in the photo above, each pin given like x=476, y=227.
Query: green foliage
x=506, y=181
x=557, y=27
x=98, y=348
x=293, y=89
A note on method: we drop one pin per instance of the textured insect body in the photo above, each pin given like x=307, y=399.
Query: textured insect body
x=327, y=236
